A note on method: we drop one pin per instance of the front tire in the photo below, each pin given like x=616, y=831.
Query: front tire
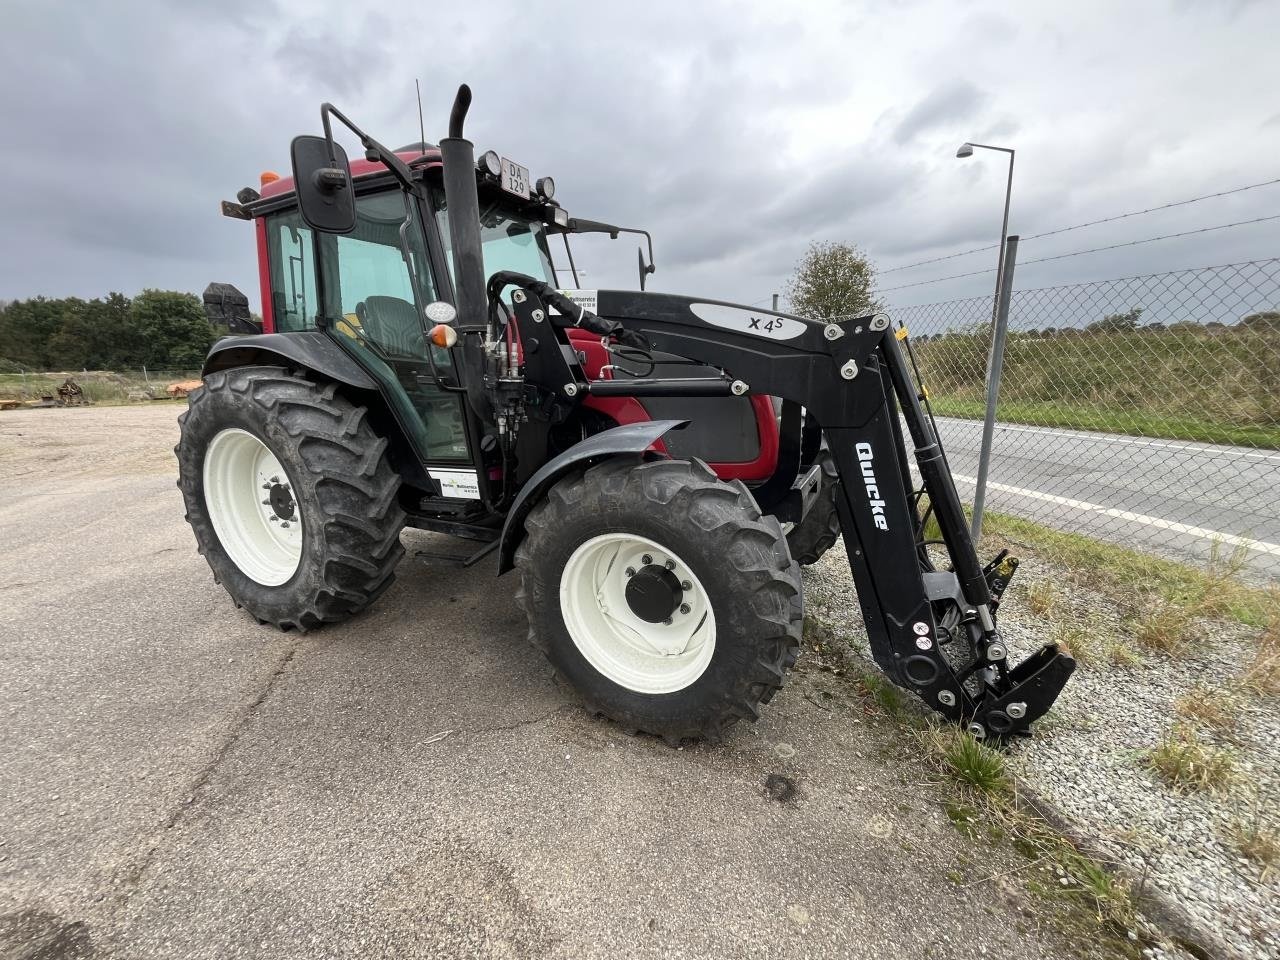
x=290, y=496
x=662, y=595
x=818, y=531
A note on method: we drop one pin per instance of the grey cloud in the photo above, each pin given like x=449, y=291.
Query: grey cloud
x=957, y=100
x=735, y=132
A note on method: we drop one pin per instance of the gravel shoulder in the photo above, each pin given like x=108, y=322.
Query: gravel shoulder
x=177, y=781
x=1086, y=757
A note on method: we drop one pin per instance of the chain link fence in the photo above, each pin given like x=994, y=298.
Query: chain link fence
x=1144, y=411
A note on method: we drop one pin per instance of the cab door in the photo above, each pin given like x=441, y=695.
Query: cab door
x=376, y=315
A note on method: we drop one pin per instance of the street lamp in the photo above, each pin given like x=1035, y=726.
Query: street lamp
x=966, y=150
x=995, y=357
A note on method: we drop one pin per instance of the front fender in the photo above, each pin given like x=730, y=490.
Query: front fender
x=310, y=349
x=631, y=438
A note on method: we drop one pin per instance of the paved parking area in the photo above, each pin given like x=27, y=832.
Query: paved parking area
x=176, y=781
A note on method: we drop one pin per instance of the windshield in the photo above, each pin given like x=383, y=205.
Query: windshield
x=511, y=241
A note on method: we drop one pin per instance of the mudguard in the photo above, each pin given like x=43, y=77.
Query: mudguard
x=631, y=438
x=310, y=349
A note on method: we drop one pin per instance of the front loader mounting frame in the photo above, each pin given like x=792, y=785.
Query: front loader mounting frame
x=931, y=631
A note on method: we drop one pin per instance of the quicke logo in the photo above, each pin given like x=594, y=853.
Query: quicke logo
x=866, y=462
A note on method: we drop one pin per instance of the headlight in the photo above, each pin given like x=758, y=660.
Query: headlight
x=547, y=187
x=489, y=163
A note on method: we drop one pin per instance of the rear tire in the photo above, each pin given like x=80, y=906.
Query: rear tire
x=324, y=473
x=684, y=678
x=818, y=531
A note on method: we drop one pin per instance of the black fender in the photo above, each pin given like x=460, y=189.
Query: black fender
x=631, y=438
x=310, y=349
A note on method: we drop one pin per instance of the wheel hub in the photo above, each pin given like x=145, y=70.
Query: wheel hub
x=281, y=501
x=654, y=593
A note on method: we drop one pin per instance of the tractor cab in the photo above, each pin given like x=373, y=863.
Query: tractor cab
x=369, y=291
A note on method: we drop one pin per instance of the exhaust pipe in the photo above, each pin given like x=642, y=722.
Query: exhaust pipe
x=463, y=205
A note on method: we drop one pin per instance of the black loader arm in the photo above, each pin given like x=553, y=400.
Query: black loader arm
x=931, y=631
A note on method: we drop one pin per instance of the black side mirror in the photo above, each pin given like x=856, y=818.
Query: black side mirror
x=322, y=179
x=645, y=268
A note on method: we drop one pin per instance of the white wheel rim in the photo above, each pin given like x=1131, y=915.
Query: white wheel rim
x=641, y=656
x=252, y=506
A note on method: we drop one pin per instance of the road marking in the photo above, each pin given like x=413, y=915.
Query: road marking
x=1262, y=546
x=1205, y=449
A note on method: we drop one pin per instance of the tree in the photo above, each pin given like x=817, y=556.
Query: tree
x=832, y=280
x=26, y=326
x=1117, y=322
x=173, y=327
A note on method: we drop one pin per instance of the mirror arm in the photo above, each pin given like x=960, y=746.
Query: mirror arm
x=578, y=225
x=399, y=169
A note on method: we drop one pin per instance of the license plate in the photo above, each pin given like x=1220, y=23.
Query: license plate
x=515, y=178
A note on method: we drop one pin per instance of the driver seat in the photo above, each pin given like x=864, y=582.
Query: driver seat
x=393, y=324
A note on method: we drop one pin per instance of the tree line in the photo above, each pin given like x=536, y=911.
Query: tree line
x=162, y=329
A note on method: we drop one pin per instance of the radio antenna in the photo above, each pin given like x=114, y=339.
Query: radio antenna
x=422, y=128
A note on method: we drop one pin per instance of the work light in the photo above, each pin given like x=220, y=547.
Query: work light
x=489, y=163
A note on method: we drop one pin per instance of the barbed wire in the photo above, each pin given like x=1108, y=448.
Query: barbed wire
x=1091, y=223
x=1079, y=253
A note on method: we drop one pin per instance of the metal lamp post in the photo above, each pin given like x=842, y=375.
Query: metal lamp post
x=999, y=326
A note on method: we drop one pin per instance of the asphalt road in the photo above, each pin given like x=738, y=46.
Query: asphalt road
x=176, y=781
x=1168, y=496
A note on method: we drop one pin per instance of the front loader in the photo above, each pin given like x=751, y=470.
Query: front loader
x=654, y=468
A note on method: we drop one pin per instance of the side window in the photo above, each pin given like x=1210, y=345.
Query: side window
x=367, y=283
x=291, y=250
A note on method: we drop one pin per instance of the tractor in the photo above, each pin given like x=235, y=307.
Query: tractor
x=654, y=468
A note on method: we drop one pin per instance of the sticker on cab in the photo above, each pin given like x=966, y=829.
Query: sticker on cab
x=587, y=299
x=459, y=484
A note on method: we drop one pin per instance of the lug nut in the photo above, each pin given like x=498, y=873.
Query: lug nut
x=266, y=503
x=670, y=564
x=667, y=622
x=685, y=608
x=630, y=572
x=284, y=524
x=686, y=585
x=266, y=486
x=646, y=559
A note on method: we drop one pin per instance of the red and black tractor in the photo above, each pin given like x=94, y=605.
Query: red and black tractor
x=655, y=468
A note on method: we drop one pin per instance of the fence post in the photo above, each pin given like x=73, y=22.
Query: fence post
x=995, y=364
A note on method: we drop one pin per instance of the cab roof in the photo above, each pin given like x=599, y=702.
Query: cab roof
x=415, y=155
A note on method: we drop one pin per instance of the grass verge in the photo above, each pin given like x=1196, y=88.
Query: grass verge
x=985, y=795
x=1131, y=422
x=1141, y=580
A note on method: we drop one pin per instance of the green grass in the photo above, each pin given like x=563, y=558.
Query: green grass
x=883, y=692
x=1186, y=763
x=1189, y=384
x=1135, y=577
x=1139, y=423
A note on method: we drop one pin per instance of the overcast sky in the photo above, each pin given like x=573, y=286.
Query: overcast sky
x=736, y=132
